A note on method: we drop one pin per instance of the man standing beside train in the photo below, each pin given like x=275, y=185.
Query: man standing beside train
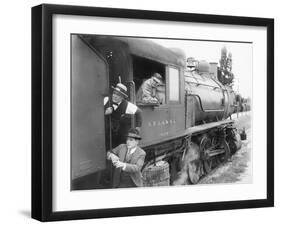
x=128, y=160
x=121, y=112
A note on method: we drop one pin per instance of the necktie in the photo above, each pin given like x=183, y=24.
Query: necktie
x=128, y=155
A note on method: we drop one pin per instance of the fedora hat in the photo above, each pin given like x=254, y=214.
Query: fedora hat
x=134, y=133
x=157, y=77
x=120, y=89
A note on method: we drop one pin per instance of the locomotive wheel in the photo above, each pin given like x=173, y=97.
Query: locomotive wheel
x=205, y=146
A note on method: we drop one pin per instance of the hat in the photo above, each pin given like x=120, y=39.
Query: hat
x=120, y=89
x=134, y=133
x=157, y=77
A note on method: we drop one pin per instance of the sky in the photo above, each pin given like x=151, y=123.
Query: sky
x=242, y=65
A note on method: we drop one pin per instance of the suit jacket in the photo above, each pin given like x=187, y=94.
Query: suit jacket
x=146, y=92
x=121, y=119
x=134, y=164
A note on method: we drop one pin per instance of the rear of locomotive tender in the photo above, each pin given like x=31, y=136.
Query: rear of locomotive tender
x=188, y=129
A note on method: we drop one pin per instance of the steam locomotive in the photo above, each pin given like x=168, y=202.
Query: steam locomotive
x=191, y=129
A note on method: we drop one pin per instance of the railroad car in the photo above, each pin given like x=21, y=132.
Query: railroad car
x=190, y=129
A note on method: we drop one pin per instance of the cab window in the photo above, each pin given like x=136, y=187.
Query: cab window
x=174, y=85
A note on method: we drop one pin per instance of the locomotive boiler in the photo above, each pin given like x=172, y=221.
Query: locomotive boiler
x=190, y=129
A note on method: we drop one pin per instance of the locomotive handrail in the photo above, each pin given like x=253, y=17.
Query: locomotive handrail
x=131, y=85
x=198, y=84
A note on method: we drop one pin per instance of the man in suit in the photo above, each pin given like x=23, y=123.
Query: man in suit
x=122, y=112
x=128, y=160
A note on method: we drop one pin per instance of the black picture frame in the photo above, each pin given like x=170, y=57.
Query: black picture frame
x=42, y=106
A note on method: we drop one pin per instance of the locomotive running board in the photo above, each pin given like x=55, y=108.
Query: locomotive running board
x=193, y=131
x=200, y=128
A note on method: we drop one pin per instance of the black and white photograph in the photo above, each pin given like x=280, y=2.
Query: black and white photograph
x=150, y=112
x=141, y=112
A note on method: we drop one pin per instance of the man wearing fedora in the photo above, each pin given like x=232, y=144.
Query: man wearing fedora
x=128, y=160
x=147, y=91
x=122, y=112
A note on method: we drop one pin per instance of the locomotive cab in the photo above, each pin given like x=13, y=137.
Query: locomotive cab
x=133, y=60
x=165, y=119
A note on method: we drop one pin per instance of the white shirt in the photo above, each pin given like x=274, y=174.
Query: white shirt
x=129, y=153
x=132, y=150
x=114, y=105
x=131, y=108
